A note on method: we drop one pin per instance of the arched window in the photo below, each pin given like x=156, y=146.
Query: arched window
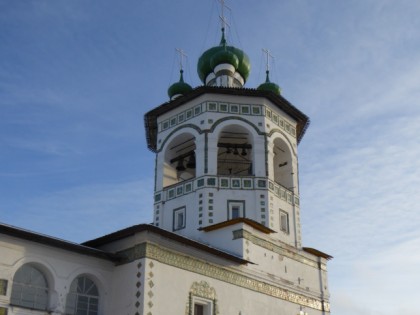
x=83, y=298
x=234, y=155
x=30, y=288
x=283, y=164
x=180, y=162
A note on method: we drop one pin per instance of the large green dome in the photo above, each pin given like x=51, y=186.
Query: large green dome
x=179, y=88
x=223, y=54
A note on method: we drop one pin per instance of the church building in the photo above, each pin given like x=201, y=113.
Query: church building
x=226, y=233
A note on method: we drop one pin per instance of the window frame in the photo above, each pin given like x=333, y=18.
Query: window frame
x=235, y=203
x=284, y=220
x=76, y=295
x=176, y=225
x=30, y=288
x=206, y=303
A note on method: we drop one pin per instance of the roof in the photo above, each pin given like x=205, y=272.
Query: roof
x=316, y=252
x=55, y=242
x=150, y=118
x=130, y=231
x=252, y=223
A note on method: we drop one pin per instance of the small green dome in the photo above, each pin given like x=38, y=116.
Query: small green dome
x=220, y=54
x=180, y=87
x=269, y=86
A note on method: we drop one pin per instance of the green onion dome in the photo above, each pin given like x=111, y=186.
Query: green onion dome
x=223, y=54
x=269, y=86
x=179, y=88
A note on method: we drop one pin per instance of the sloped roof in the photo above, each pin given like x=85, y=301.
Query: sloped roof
x=169, y=235
x=316, y=252
x=55, y=242
x=254, y=224
x=150, y=118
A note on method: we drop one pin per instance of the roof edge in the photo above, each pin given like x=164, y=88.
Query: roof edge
x=55, y=242
x=164, y=233
x=316, y=252
x=252, y=223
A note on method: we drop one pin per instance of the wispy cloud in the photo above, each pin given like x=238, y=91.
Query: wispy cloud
x=86, y=212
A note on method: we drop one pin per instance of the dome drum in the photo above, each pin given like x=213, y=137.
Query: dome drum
x=210, y=78
x=224, y=68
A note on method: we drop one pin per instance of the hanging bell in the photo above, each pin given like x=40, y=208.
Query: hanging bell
x=235, y=151
x=180, y=167
x=191, y=161
x=243, y=153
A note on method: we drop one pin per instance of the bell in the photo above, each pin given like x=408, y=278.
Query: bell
x=191, y=161
x=228, y=150
x=235, y=151
x=243, y=153
x=180, y=167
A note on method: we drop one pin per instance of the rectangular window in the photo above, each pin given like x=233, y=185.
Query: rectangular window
x=202, y=306
x=198, y=309
x=236, y=209
x=284, y=221
x=179, y=219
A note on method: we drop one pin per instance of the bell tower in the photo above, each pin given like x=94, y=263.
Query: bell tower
x=225, y=153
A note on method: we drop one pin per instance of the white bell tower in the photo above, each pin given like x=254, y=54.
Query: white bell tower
x=226, y=154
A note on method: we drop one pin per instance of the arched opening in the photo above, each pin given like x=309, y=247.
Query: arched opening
x=282, y=164
x=179, y=159
x=234, y=154
x=83, y=297
x=30, y=288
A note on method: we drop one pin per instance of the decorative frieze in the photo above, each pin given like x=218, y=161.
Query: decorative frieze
x=163, y=255
x=228, y=108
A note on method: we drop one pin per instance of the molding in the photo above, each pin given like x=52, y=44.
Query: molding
x=277, y=249
x=188, y=263
x=204, y=290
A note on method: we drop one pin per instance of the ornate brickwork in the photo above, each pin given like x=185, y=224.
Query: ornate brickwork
x=150, y=284
x=188, y=263
x=138, y=289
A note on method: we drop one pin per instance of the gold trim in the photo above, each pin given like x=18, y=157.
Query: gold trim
x=163, y=255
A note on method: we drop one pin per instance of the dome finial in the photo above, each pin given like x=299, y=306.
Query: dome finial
x=268, y=85
x=179, y=88
x=223, y=22
x=267, y=78
x=223, y=39
x=223, y=65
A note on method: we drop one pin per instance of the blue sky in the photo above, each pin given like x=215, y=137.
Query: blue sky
x=77, y=76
